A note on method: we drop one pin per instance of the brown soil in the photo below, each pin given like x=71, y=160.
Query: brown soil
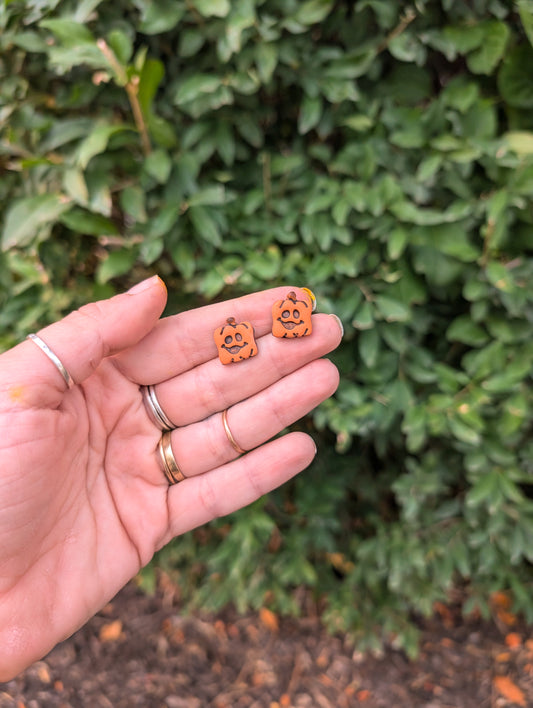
x=140, y=652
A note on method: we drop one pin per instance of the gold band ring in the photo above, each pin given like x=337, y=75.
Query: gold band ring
x=234, y=444
x=154, y=410
x=56, y=361
x=168, y=461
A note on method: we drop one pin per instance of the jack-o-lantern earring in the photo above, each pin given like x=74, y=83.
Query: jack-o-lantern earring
x=235, y=341
x=291, y=317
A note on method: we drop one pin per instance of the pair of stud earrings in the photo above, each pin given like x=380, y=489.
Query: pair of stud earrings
x=291, y=317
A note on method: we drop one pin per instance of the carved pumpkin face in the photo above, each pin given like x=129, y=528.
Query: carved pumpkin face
x=235, y=341
x=291, y=317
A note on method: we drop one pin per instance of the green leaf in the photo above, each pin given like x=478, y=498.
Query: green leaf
x=151, y=75
x=195, y=86
x=499, y=276
x=84, y=10
x=96, y=142
x=464, y=330
x=132, y=202
x=226, y=144
x=69, y=33
x=205, y=225
x=117, y=263
x=313, y=11
x=162, y=223
x=121, y=45
x=81, y=221
x=464, y=432
x=392, y=310
x=75, y=185
x=485, y=489
x=212, y=8
x=525, y=10
x=266, y=59
x=486, y=57
x=310, y=114
x=184, y=258
x=464, y=38
x=363, y=318
x=514, y=77
x=160, y=15
x=26, y=216
x=396, y=242
x=208, y=196
x=368, y=345
x=158, y=165
x=520, y=141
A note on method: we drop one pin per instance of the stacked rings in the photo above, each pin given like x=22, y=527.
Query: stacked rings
x=168, y=461
x=153, y=407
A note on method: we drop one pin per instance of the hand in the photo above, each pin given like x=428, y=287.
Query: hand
x=84, y=503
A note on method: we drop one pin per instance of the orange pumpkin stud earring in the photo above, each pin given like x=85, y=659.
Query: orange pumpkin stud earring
x=291, y=317
x=235, y=341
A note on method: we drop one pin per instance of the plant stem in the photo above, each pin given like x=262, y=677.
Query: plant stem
x=132, y=89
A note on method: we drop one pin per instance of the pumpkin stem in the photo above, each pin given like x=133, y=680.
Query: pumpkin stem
x=231, y=321
x=291, y=295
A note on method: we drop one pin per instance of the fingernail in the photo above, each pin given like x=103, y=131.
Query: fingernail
x=339, y=322
x=311, y=295
x=145, y=285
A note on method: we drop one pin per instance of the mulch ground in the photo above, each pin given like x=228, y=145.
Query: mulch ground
x=139, y=651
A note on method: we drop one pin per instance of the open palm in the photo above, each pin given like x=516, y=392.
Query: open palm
x=83, y=501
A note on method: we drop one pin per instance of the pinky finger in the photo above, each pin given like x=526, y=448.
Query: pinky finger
x=200, y=499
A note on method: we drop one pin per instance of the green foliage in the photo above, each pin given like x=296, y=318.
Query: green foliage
x=378, y=152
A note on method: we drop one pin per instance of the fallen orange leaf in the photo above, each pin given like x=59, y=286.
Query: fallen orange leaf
x=513, y=640
x=506, y=617
x=509, y=690
x=268, y=619
x=501, y=600
x=110, y=632
x=363, y=695
x=503, y=657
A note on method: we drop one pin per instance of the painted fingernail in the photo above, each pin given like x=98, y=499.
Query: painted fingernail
x=312, y=297
x=146, y=284
x=339, y=322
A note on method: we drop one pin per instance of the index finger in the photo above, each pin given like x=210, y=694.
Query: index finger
x=183, y=341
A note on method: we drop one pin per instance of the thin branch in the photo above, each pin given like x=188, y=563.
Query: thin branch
x=405, y=21
x=132, y=89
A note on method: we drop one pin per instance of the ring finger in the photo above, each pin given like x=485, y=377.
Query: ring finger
x=202, y=446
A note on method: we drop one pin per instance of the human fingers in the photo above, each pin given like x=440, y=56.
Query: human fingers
x=211, y=386
x=183, y=341
x=223, y=490
x=28, y=374
x=204, y=445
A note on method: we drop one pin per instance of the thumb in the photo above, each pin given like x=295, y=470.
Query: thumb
x=80, y=340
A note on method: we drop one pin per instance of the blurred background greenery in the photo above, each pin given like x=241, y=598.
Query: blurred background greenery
x=379, y=152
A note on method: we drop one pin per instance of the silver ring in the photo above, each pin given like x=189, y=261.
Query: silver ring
x=168, y=461
x=153, y=407
x=56, y=361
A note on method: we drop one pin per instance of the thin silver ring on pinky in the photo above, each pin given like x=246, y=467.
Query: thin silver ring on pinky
x=56, y=361
x=168, y=462
x=154, y=410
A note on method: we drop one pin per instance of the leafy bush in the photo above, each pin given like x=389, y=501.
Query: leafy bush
x=378, y=152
